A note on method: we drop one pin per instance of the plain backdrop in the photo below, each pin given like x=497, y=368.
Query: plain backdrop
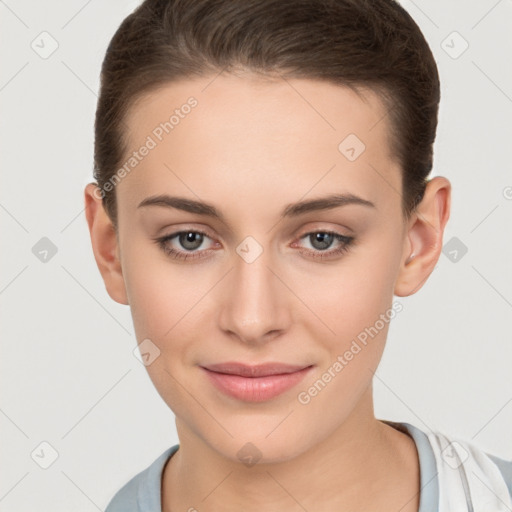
x=69, y=378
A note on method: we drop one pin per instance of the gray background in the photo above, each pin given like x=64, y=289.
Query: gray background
x=68, y=374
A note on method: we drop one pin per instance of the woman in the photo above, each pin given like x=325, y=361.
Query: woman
x=261, y=195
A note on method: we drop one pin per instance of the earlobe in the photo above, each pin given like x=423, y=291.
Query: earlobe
x=104, y=244
x=424, y=238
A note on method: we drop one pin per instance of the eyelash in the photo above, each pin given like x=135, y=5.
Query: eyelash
x=316, y=254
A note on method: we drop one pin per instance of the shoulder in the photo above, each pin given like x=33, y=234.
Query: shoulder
x=473, y=464
x=505, y=468
x=126, y=498
x=455, y=471
x=457, y=452
x=142, y=492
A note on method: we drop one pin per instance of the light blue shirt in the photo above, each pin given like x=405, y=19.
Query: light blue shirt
x=142, y=492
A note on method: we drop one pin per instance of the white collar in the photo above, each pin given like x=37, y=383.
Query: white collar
x=469, y=481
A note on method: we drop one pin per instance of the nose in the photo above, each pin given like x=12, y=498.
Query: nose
x=255, y=305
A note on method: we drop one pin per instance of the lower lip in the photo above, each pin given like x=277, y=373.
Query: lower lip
x=255, y=389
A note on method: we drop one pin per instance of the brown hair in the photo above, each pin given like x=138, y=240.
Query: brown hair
x=357, y=43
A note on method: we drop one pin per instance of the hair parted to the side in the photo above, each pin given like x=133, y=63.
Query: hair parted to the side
x=364, y=44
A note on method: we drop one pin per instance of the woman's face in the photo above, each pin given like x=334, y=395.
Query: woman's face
x=258, y=285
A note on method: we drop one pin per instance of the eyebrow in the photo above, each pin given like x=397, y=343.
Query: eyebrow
x=291, y=210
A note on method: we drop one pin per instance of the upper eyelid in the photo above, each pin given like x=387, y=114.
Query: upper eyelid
x=229, y=235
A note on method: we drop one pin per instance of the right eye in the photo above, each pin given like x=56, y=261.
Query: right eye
x=190, y=240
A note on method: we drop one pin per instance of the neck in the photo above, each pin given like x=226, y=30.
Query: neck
x=363, y=464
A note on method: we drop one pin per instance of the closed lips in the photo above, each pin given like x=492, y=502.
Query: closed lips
x=262, y=370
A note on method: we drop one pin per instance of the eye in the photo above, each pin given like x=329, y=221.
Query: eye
x=322, y=240
x=190, y=240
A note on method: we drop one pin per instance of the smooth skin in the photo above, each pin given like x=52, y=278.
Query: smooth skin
x=251, y=147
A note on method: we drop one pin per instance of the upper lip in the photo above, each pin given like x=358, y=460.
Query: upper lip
x=260, y=370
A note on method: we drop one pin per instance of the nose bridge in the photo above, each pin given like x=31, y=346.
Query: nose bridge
x=253, y=304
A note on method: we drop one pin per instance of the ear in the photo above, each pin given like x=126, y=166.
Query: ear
x=424, y=237
x=105, y=244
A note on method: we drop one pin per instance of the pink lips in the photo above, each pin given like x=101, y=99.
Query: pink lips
x=255, y=383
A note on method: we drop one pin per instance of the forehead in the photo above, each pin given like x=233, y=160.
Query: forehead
x=263, y=140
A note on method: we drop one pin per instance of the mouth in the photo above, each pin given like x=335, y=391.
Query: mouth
x=260, y=370
x=255, y=383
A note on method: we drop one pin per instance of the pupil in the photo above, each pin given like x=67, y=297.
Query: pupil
x=191, y=240
x=324, y=239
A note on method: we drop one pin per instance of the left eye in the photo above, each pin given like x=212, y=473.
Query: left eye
x=322, y=240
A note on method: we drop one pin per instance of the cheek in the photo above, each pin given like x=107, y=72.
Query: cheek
x=159, y=292
x=359, y=311
x=356, y=305
x=352, y=296
x=165, y=307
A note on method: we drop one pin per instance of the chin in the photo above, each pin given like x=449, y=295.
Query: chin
x=257, y=450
